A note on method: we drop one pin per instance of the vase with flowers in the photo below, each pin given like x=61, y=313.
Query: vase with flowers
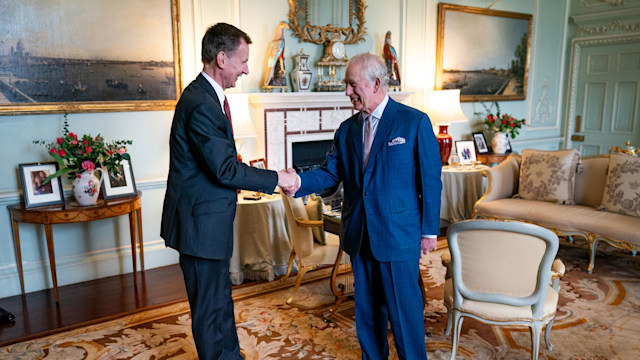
x=503, y=126
x=80, y=157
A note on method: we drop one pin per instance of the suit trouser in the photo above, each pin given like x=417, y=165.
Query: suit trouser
x=212, y=318
x=388, y=291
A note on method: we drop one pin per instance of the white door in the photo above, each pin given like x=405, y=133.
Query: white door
x=607, y=103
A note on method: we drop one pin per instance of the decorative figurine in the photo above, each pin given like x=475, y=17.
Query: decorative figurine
x=276, y=74
x=391, y=60
x=301, y=75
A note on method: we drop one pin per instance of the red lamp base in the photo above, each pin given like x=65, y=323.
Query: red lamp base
x=444, y=142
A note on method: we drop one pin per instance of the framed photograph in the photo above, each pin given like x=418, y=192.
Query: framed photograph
x=466, y=151
x=481, y=143
x=34, y=190
x=495, y=71
x=103, y=56
x=121, y=184
x=258, y=163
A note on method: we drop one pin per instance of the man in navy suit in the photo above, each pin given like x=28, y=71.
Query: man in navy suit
x=200, y=201
x=387, y=157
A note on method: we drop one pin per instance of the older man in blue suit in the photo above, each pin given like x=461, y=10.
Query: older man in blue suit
x=387, y=157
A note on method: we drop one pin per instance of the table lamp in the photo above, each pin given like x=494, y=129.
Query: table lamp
x=443, y=108
x=243, y=127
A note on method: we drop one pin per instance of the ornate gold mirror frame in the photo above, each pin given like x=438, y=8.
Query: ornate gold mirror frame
x=319, y=34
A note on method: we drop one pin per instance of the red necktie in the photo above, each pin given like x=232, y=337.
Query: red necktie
x=227, y=111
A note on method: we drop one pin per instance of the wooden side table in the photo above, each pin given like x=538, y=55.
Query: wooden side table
x=70, y=212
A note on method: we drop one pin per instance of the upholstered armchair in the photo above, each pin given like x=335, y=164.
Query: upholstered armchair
x=310, y=254
x=501, y=274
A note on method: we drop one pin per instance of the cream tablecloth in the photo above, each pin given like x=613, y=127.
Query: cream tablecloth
x=261, y=244
x=461, y=188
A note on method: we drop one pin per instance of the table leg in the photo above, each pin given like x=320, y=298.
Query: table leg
x=16, y=240
x=132, y=232
x=52, y=259
x=139, y=222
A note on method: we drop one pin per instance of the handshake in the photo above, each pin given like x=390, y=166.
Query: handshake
x=288, y=181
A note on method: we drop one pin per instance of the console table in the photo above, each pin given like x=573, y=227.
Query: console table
x=71, y=212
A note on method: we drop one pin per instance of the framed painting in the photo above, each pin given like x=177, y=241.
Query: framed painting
x=115, y=185
x=481, y=143
x=483, y=52
x=466, y=151
x=89, y=56
x=34, y=189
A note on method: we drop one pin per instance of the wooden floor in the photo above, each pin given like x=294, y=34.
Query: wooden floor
x=37, y=313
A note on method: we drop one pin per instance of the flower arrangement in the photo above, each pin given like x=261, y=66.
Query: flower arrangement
x=77, y=154
x=502, y=123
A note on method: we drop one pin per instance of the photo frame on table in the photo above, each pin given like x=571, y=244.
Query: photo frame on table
x=102, y=60
x=258, y=163
x=34, y=191
x=481, y=143
x=466, y=150
x=121, y=184
x=496, y=71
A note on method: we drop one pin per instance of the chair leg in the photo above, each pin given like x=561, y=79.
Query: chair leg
x=290, y=266
x=301, y=271
x=447, y=331
x=547, y=332
x=457, y=326
x=535, y=339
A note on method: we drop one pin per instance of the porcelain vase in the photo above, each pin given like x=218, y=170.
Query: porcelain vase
x=500, y=143
x=86, y=188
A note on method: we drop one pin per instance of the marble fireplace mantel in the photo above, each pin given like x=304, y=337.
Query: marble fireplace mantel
x=288, y=118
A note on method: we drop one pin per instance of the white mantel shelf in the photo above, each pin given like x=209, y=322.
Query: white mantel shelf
x=311, y=99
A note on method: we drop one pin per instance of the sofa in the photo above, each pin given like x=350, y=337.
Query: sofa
x=596, y=198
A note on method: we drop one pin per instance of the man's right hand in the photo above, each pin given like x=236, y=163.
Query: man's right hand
x=288, y=181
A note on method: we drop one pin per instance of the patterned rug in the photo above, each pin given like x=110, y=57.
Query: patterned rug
x=598, y=318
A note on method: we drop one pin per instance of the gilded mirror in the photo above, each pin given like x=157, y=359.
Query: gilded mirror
x=342, y=17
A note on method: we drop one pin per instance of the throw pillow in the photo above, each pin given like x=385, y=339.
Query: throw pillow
x=315, y=209
x=622, y=189
x=548, y=175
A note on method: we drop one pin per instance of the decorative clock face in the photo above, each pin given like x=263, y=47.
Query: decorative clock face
x=338, y=50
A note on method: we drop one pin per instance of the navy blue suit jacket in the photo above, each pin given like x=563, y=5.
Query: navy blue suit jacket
x=200, y=202
x=398, y=193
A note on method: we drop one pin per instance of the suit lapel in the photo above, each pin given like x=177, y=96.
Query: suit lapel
x=384, y=128
x=204, y=83
x=356, y=139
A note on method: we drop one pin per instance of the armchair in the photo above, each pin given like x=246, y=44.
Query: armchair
x=309, y=253
x=501, y=274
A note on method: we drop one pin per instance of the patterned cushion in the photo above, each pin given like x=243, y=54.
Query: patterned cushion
x=315, y=209
x=548, y=175
x=622, y=190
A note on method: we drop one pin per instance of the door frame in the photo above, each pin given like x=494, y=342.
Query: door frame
x=576, y=46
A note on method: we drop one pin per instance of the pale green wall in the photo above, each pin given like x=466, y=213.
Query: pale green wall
x=89, y=251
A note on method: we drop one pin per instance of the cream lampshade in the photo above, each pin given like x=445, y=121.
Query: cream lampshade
x=443, y=108
x=243, y=127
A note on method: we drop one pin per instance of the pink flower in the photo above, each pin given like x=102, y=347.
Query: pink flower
x=88, y=165
x=59, y=140
x=74, y=142
x=88, y=150
x=122, y=150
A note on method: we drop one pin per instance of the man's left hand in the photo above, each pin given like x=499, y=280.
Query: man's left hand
x=428, y=244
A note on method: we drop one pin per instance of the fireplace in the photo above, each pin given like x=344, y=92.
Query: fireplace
x=309, y=155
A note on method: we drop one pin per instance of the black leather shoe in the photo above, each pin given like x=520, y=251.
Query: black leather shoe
x=6, y=316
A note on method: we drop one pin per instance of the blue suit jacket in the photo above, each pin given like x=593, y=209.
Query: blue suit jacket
x=398, y=193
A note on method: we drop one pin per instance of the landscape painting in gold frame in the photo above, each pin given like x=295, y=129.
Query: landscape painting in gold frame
x=483, y=52
x=89, y=56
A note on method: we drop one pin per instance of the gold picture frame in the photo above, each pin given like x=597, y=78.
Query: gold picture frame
x=117, y=56
x=484, y=53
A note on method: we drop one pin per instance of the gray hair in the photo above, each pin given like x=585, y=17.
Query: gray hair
x=372, y=68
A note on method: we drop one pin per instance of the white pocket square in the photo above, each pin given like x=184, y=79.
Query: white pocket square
x=397, y=141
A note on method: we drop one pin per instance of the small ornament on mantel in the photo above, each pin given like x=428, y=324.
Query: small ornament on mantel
x=301, y=75
x=275, y=78
x=391, y=60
